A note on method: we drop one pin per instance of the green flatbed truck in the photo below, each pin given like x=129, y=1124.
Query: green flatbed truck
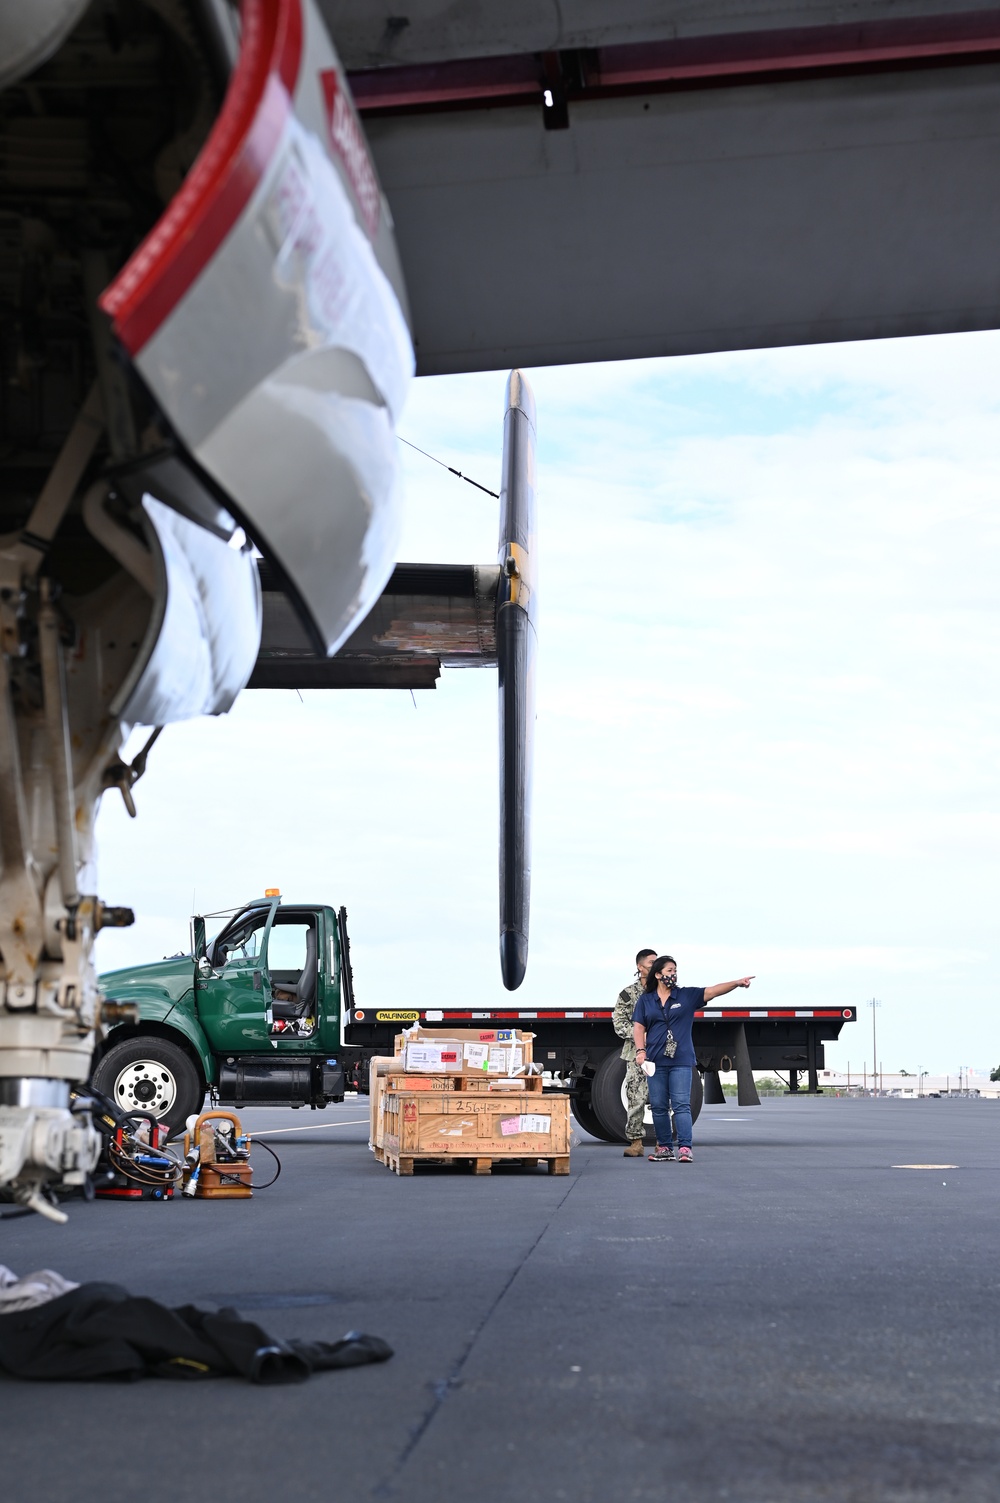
x=251, y=1015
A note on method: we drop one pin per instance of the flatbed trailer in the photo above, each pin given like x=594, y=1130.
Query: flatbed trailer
x=581, y=1053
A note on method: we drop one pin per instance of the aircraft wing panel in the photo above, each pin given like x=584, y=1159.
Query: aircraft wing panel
x=756, y=178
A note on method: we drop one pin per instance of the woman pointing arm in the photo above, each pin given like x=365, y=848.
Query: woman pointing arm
x=661, y=1026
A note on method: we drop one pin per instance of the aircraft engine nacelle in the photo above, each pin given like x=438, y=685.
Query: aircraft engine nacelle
x=265, y=312
x=207, y=355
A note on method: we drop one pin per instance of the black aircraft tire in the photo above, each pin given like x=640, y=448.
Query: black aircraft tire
x=584, y=1113
x=606, y=1097
x=153, y=1075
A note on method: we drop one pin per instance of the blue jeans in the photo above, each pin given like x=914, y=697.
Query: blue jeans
x=671, y=1087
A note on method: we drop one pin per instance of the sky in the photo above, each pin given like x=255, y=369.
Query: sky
x=768, y=712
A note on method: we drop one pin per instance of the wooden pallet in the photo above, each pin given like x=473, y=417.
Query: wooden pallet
x=405, y=1163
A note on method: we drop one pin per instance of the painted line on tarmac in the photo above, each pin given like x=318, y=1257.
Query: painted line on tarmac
x=924, y=1166
x=314, y=1127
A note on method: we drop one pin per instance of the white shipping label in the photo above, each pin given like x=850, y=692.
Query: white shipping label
x=443, y=1055
x=423, y=1057
x=498, y=1060
x=509, y=1126
x=516, y=1061
x=477, y=1056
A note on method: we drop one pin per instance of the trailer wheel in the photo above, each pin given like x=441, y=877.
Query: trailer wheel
x=697, y=1094
x=608, y=1105
x=151, y=1074
x=583, y=1111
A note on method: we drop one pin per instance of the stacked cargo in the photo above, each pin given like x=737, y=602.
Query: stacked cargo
x=469, y=1094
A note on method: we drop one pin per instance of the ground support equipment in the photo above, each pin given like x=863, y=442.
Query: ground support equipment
x=217, y=1159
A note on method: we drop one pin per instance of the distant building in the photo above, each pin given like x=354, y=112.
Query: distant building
x=907, y=1085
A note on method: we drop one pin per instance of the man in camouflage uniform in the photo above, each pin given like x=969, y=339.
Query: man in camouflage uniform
x=636, y=1090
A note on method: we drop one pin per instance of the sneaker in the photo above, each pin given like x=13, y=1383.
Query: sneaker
x=685, y=1155
x=661, y=1155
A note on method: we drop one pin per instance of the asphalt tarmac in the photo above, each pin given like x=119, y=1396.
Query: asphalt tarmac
x=792, y=1317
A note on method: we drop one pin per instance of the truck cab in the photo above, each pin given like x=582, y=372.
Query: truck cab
x=253, y=1015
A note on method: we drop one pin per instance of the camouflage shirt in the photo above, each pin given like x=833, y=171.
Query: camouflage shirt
x=622, y=1017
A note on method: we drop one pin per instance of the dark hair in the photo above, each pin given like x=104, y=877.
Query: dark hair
x=658, y=964
x=642, y=955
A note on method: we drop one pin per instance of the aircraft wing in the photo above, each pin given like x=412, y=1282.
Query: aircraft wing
x=607, y=180
x=428, y=616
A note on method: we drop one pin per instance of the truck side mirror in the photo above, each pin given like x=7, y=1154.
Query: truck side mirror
x=197, y=936
x=204, y=966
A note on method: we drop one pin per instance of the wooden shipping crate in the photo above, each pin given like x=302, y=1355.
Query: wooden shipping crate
x=378, y=1078
x=471, y=1084
x=481, y=1126
x=384, y=1075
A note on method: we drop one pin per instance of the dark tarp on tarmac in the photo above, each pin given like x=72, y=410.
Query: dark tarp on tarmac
x=102, y=1331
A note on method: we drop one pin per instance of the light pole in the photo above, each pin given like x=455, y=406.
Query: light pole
x=874, y=1005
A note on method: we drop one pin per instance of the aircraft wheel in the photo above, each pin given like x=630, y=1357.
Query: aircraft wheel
x=151, y=1075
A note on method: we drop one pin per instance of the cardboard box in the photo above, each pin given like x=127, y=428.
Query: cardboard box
x=470, y=1051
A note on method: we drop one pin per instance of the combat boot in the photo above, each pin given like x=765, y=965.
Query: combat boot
x=634, y=1150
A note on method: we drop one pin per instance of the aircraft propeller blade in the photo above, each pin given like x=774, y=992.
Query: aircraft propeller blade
x=516, y=644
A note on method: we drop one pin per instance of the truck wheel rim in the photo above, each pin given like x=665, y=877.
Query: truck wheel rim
x=146, y=1086
x=647, y=1115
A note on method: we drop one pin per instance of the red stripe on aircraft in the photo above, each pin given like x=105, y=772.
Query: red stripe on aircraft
x=222, y=180
x=631, y=68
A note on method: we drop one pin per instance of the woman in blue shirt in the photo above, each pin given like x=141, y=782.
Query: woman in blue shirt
x=661, y=1027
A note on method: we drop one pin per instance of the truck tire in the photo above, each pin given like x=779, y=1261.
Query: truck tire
x=606, y=1097
x=151, y=1074
x=584, y=1113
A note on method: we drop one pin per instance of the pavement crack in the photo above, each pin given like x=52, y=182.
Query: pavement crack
x=444, y=1386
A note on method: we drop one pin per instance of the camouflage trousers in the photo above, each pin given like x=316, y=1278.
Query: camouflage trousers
x=637, y=1096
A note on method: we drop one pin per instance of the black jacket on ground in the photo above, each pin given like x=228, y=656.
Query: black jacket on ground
x=102, y=1331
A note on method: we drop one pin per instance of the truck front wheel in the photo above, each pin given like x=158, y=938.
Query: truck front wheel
x=151, y=1075
x=607, y=1096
